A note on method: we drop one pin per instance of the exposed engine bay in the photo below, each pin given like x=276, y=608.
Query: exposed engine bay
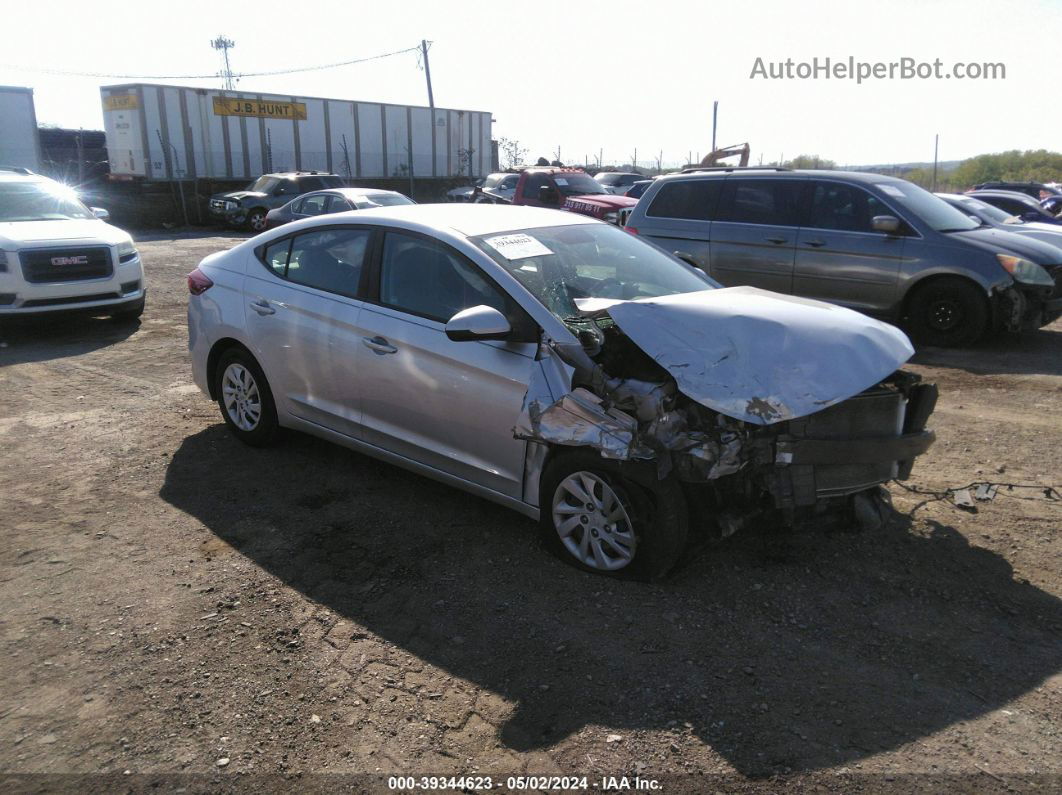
x=738, y=399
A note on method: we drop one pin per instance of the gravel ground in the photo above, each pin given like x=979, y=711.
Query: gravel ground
x=183, y=611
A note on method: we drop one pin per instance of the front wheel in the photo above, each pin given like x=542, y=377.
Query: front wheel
x=256, y=221
x=948, y=312
x=610, y=518
x=245, y=399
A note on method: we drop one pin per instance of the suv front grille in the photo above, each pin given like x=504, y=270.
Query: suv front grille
x=43, y=265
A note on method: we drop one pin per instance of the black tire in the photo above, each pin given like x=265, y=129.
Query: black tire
x=129, y=313
x=256, y=221
x=948, y=313
x=264, y=431
x=656, y=510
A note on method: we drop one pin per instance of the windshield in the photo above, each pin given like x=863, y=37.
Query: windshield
x=40, y=201
x=932, y=210
x=380, y=200
x=609, y=179
x=494, y=180
x=559, y=264
x=987, y=211
x=577, y=184
x=263, y=185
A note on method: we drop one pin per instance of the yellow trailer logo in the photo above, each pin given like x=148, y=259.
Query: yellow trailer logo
x=261, y=108
x=120, y=102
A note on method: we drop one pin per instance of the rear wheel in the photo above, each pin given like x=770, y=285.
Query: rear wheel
x=256, y=221
x=245, y=400
x=948, y=312
x=610, y=518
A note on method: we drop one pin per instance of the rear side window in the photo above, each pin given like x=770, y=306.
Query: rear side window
x=325, y=259
x=694, y=200
x=773, y=202
x=425, y=278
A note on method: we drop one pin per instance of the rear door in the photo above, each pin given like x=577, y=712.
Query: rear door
x=754, y=232
x=302, y=319
x=449, y=405
x=679, y=217
x=839, y=257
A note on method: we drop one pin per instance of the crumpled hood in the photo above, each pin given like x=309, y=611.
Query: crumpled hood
x=760, y=356
x=16, y=233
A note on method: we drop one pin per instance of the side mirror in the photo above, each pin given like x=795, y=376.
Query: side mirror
x=686, y=257
x=547, y=194
x=885, y=223
x=103, y=215
x=478, y=323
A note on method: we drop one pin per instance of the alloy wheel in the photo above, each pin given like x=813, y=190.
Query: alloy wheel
x=592, y=522
x=243, y=403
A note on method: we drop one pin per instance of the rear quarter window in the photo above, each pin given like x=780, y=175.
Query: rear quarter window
x=772, y=202
x=694, y=200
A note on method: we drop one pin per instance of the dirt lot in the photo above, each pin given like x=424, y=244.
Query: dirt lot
x=175, y=603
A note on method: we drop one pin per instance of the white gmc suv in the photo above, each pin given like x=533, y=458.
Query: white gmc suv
x=57, y=255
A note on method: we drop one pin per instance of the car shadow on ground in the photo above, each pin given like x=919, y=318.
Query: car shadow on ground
x=1031, y=353
x=787, y=656
x=40, y=339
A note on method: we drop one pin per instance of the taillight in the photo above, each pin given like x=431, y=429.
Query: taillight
x=631, y=229
x=198, y=282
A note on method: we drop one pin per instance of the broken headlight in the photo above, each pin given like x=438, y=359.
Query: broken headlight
x=1024, y=271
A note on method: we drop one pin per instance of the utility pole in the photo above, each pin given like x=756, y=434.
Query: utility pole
x=715, y=116
x=936, y=147
x=431, y=103
x=223, y=44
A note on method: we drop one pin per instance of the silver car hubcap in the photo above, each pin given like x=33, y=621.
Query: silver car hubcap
x=592, y=523
x=243, y=403
x=258, y=222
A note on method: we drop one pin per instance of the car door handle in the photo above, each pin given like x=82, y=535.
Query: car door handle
x=263, y=307
x=378, y=345
x=815, y=243
x=776, y=240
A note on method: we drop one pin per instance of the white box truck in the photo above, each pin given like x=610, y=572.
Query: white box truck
x=19, y=145
x=160, y=132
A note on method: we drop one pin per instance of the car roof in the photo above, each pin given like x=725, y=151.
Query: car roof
x=752, y=171
x=1003, y=194
x=22, y=175
x=471, y=220
x=356, y=191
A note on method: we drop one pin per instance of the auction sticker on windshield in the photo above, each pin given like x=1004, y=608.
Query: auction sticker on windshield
x=517, y=246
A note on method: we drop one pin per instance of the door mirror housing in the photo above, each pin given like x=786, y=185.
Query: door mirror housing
x=889, y=224
x=478, y=323
x=102, y=214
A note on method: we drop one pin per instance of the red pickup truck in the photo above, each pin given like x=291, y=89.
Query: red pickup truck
x=569, y=189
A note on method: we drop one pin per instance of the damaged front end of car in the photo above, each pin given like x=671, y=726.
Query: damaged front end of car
x=759, y=404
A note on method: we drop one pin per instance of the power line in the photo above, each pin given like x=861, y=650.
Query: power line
x=214, y=76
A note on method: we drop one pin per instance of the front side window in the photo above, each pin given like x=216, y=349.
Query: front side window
x=773, y=202
x=311, y=183
x=845, y=208
x=325, y=259
x=425, y=278
x=694, y=200
x=562, y=264
x=532, y=185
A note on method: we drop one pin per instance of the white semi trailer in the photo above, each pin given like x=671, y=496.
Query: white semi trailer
x=19, y=144
x=160, y=132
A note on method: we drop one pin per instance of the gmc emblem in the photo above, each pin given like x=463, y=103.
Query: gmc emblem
x=81, y=259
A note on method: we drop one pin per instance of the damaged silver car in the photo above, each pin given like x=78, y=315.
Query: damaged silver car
x=564, y=368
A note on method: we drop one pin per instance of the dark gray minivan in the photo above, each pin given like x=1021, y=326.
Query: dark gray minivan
x=877, y=244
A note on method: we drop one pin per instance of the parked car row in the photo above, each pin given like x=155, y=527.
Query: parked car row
x=877, y=244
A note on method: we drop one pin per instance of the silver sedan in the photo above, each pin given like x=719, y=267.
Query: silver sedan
x=559, y=366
